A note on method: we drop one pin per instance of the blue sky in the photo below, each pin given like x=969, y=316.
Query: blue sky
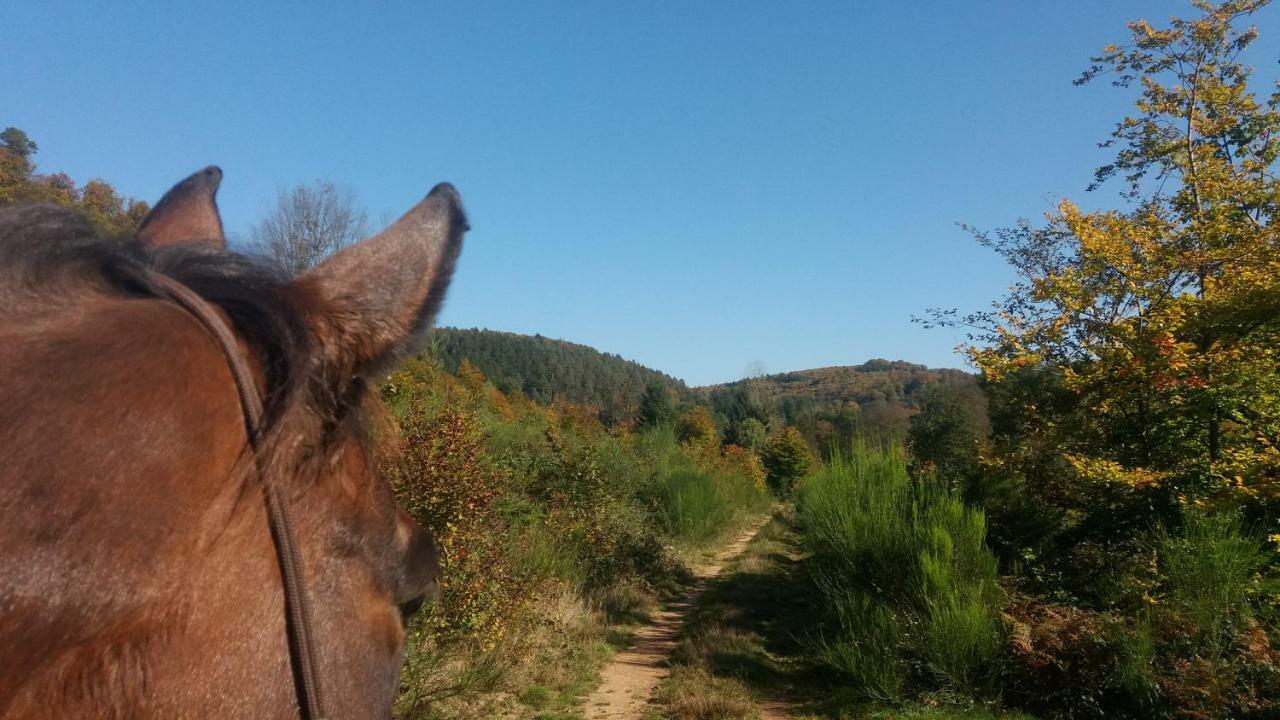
x=702, y=187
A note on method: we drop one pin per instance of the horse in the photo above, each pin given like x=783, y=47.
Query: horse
x=139, y=574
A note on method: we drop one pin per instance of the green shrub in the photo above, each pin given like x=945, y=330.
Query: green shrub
x=1135, y=650
x=1211, y=575
x=693, y=508
x=787, y=458
x=904, y=570
x=961, y=634
x=865, y=645
x=530, y=502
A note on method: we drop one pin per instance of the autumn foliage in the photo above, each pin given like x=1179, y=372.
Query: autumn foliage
x=787, y=458
x=1132, y=473
x=443, y=479
x=110, y=213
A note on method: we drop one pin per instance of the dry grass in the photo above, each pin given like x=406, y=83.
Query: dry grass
x=722, y=664
x=540, y=670
x=693, y=693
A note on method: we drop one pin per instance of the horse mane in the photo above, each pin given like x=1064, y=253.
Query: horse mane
x=48, y=252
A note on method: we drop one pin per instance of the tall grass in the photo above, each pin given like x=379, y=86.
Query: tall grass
x=695, y=499
x=904, y=571
x=693, y=509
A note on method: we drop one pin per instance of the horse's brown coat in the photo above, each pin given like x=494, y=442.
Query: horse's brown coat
x=137, y=573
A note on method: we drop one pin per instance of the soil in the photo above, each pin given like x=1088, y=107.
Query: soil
x=630, y=679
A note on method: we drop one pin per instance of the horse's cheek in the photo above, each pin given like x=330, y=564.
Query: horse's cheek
x=381, y=620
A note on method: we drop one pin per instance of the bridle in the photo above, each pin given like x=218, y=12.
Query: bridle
x=298, y=622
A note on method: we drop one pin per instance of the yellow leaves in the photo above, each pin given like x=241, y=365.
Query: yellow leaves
x=1109, y=472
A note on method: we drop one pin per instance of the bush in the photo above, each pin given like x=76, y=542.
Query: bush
x=530, y=502
x=698, y=506
x=736, y=460
x=787, y=458
x=1211, y=574
x=692, y=507
x=904, y=570
x=864, y=644
x=1194, y=644
x=697, y=429
x=443, y=481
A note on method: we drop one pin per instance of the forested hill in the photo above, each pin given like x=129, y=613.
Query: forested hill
x=829, y=405
x=871, y=382
x=877, y=397
x=545, y=369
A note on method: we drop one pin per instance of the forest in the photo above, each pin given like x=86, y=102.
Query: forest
x=1085, y=526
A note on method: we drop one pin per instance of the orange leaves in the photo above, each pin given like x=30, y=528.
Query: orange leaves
x=696, y=429
x=741, y=461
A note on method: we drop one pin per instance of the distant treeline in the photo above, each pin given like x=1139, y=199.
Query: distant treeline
x=830, y=406
x=834, y=405
x=543, y=370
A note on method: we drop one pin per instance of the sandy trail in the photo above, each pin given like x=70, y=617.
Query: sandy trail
x=630, y=679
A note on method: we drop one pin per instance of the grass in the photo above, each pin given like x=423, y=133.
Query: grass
x=697, y=694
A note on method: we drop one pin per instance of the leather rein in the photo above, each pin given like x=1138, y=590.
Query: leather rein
x=298, y=617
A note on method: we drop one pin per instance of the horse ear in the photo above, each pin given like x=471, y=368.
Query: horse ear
x=187, y=213
x=372, y=303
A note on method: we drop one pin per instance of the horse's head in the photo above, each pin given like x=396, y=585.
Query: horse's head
x=137, y=570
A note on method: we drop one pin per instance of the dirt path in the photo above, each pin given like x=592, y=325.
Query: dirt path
x=630, y=679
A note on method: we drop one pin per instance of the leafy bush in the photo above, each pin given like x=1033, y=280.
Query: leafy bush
x=529, y=502
x=443, y=481
x=1195, y=644
x=787, y=458
x=736, y=460
x=697, y=429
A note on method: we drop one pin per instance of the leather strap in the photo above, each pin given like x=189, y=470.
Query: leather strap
x=298, y=618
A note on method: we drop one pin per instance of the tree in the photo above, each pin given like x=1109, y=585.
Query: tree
x=110, y=213
x=787, y=459
x=696, y=428
x=949, y=432
x=656, y=406
x=1153, y=331
x=471, y=377
x=752, y=434
x=307, y=224
x=17, y=142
